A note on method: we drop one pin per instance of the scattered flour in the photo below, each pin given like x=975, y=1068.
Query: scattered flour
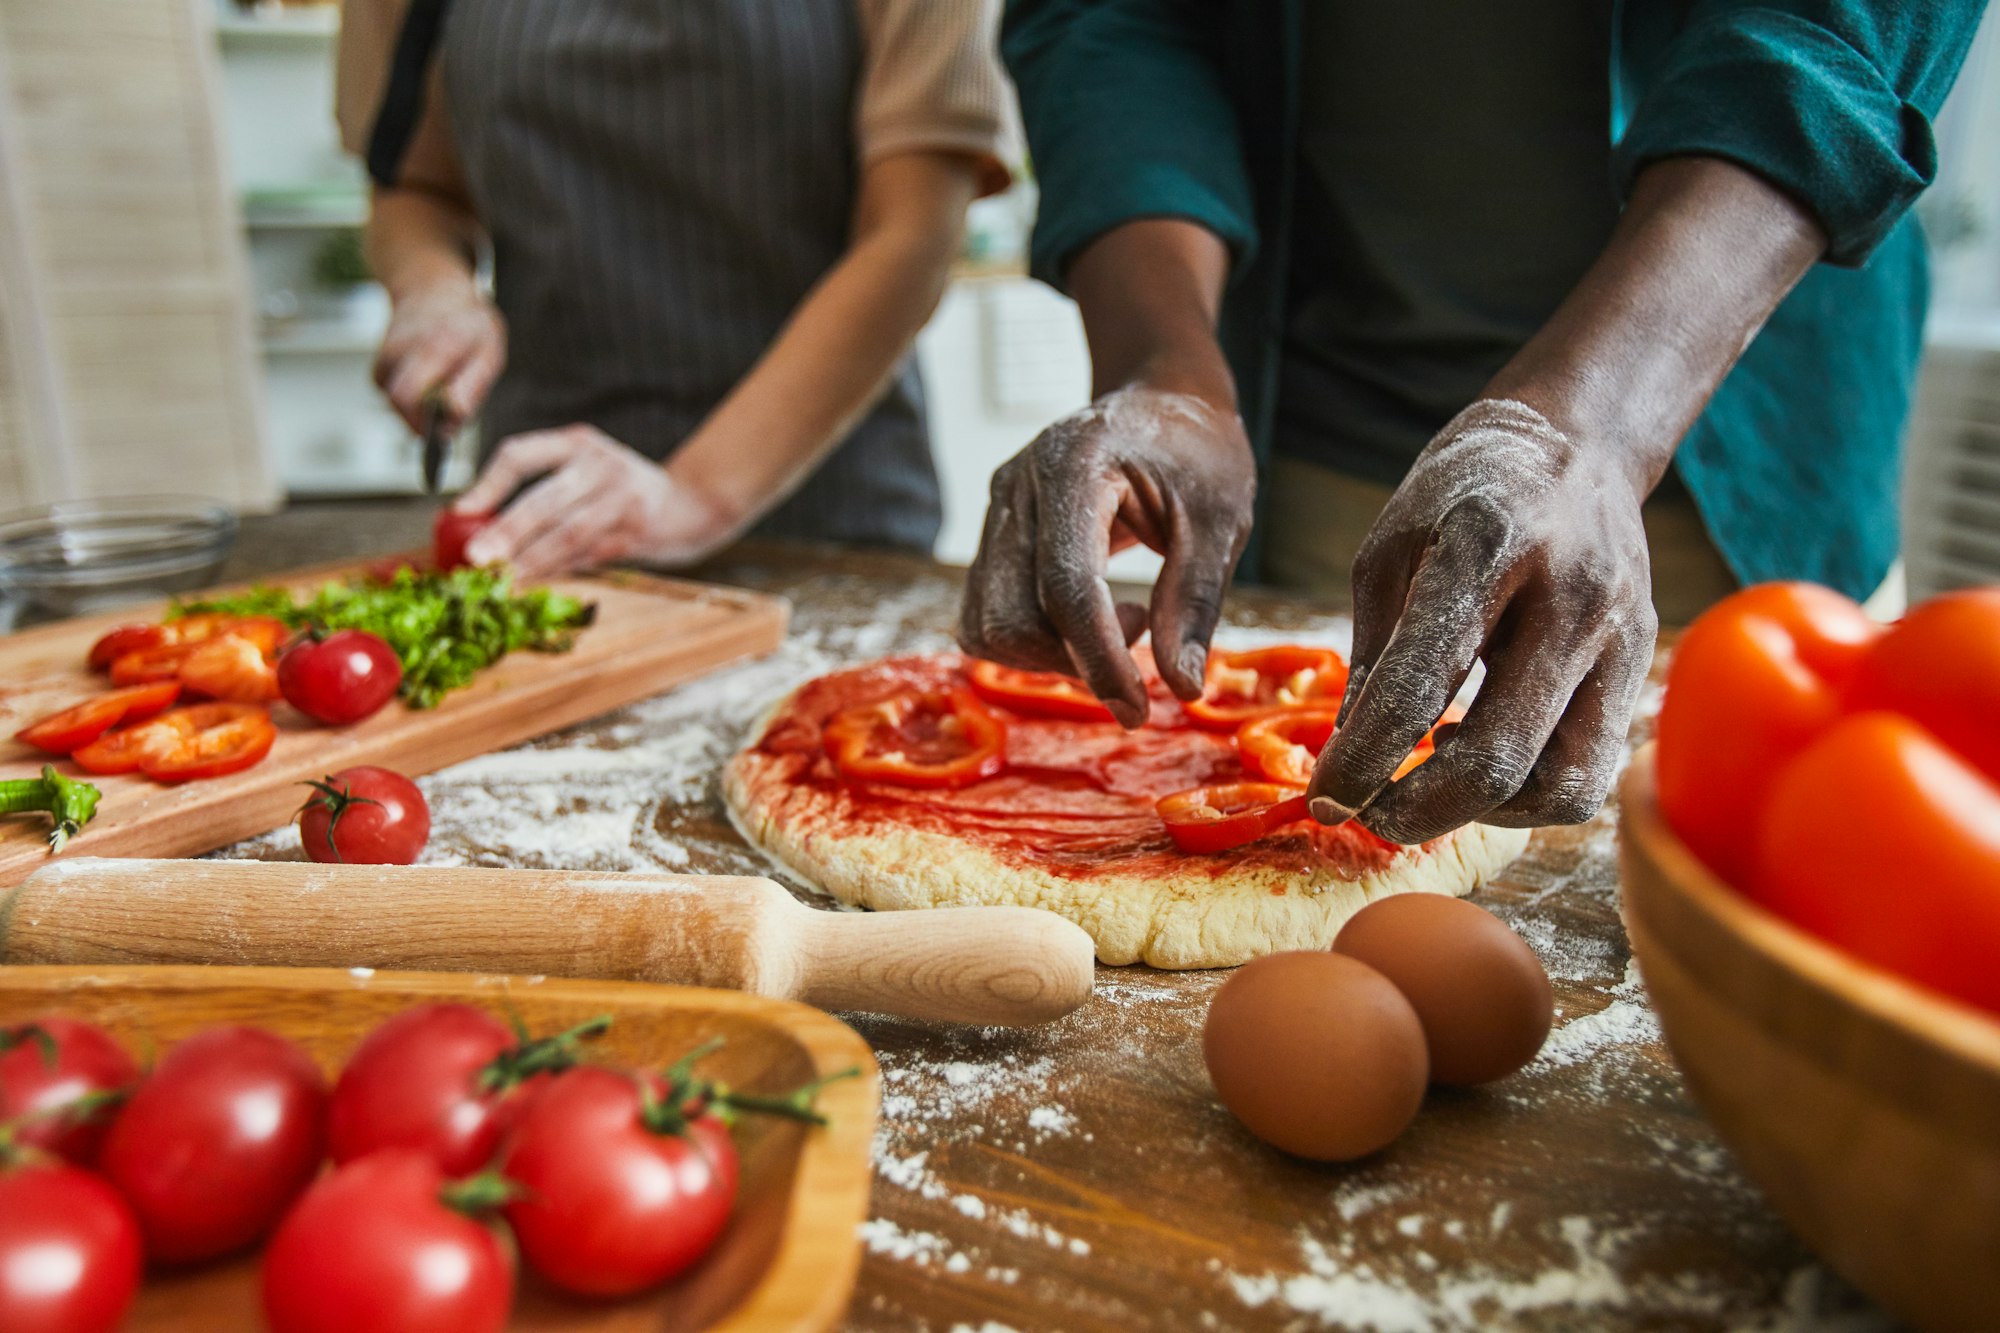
x=1052, y=1119
x=1626, y=1021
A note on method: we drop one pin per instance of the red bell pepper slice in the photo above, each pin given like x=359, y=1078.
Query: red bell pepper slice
x=1217, y=818
x=79, y=725
x=1042, y=693
x=1284, y=746
x=219, y=738
x=1240, y=686
x=935, y=738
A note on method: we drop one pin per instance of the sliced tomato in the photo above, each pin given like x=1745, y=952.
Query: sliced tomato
x=1215, y=819
x=127, y=749
x=1246, y=685
x=937, y=738
x=125, y=639
x=231, y=667
x=221, y=738
x=77, y=726
x=1284, y=746
x=1043, y=693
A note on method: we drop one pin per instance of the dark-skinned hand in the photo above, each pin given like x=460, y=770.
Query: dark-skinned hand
x=1508, y=542
x=1139, y=465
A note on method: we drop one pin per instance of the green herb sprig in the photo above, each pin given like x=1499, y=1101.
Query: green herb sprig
x=444, y=628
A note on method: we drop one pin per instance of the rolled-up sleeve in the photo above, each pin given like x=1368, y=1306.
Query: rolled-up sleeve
x=1127, y=117
x=1829, y=100
x=933, y=83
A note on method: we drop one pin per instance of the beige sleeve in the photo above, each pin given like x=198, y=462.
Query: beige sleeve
x=932, y=81
x=368, y=32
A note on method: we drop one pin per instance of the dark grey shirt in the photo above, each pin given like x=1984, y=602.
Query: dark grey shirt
x=1455, y=184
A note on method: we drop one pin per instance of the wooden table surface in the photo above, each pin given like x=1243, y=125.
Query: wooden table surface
x=1081, y=1176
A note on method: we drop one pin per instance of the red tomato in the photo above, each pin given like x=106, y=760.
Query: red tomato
x=1042, y=693
x=443, y=1079
x=232, y=668
x=218, y=738
x=57, y=1062
x=69, y=1251
x=365, y=816
x=342, y=678
x=612, y=1204
x=79, y=725
x=449, y=535
x=217, y=1142
x=1215, y=819
x=1881, y=840
x=1242, y=685
x=1752, y=682
x=1940, y=664
x=384, y=1244
x=937, y=738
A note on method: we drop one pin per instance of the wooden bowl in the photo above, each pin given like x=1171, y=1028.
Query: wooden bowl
x=789, y=1257
x=1866, y=1107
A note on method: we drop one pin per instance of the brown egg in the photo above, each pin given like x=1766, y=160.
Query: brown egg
x=1481, y=993
x=1316, y=1053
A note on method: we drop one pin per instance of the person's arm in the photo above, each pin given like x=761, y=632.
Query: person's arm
x=1160, y=457
x=1516, y=537
x=825, y=369
x=423, y=247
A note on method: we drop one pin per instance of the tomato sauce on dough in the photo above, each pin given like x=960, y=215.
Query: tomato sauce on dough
x=1076, y=798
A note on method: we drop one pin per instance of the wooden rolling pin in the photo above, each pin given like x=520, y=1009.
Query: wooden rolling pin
x=993, y=965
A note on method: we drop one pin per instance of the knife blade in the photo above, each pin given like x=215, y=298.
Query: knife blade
x=438, y=430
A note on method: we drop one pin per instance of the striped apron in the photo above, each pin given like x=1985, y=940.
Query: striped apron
x=664, y=180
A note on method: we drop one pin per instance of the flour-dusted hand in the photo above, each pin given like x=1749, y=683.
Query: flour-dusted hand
x=1514, y=543
x=443, y=334
x=596, y=501
x=1138, y=465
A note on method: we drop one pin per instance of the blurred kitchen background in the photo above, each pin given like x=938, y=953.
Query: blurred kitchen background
x=184, y=307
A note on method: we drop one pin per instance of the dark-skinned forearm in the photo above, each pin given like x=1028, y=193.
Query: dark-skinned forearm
x=1703, y=253
x=1150, y=292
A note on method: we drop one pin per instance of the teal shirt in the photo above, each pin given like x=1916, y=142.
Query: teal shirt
x=1191, y=109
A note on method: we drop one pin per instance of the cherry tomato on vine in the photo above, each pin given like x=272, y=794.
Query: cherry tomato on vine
x=386, y=1244
x=70, y=1258
x=445, y=1080
x=342, y=678
x=60, y=1062
x=619, y=1191
x=365, y=816
x=217, y=1141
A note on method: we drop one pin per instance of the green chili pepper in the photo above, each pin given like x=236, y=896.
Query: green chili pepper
x=69, y=801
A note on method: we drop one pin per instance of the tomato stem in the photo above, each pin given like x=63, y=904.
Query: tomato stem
x=70, y=802
x=337, y=801
x=35, y=1032
x=545, y=1055
x=478, y=1195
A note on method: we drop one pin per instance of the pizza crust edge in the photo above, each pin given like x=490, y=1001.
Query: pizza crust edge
x=1204, y=921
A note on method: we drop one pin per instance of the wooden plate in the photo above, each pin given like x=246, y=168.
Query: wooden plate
x=790, y=1255
x=1868, y=1108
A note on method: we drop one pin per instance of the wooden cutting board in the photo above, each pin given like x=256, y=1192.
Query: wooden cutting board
x=650, y=635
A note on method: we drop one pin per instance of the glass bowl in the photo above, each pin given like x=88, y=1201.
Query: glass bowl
x=80, y=556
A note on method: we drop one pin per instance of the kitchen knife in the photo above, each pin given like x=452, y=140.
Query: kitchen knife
x=437, y=436
x=1008, y=966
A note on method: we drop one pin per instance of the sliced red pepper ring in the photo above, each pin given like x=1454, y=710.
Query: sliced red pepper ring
x=938, y=738
x=218, y=738
x=1284, y=746
x=79, y=725
x=230, y=667
x=1217, y=818
x=125, y=639
x=1240, y=686
x=1043, y=693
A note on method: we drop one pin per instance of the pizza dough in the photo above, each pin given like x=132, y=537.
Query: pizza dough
x=1070, y=828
